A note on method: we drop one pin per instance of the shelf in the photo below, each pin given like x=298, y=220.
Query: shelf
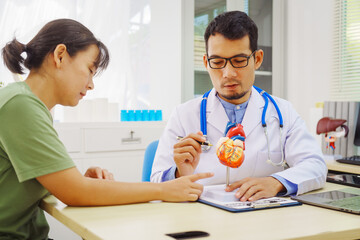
x=200, y=69
x=263, y=73
x=259, y=73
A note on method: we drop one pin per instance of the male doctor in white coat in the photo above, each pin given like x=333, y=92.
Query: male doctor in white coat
x=231, y=59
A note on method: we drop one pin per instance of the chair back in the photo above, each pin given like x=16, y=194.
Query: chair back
x=148, y=160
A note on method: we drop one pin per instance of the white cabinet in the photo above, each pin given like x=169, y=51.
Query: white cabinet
x=116, y=146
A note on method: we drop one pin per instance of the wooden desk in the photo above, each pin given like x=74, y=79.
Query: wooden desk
x=342, y=167
x=154, y=220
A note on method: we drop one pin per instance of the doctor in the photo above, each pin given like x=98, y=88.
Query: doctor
x=231, y=59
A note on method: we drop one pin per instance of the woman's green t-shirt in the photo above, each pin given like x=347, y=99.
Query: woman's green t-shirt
x=29, y=148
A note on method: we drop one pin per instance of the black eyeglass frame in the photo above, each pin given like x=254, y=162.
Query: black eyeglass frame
x=229, y=59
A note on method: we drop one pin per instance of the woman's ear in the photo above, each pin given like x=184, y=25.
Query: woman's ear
x=59, y=53
x=259, y=57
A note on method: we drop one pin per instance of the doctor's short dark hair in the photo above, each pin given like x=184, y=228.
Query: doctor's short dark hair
x=75, y=36
x=233, y=25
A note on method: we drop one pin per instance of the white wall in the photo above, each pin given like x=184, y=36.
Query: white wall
x=187, y=59
x=165, y=53
x=144, y=39
x=308, y=53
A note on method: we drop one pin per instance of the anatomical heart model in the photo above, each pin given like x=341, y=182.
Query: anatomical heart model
x=230, y=149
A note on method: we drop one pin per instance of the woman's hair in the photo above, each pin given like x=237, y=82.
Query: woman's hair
x=75, y=36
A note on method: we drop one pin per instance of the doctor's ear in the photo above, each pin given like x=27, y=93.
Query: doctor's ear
x=259, y=57
x=59, y=53
x=205, y=60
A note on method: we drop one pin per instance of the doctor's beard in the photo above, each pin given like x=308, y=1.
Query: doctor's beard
x=235, y=96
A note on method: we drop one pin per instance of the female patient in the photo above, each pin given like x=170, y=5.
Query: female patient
x=63, y=59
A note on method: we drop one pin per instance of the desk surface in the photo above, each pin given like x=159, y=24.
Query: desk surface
x=153, y=220
x=342, y=167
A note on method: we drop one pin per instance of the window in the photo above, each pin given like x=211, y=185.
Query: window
x=205, y=12
x=345, y=83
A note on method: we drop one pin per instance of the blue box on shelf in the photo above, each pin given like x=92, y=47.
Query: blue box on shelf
x=138, y=115
x=141, y=115
x=124, y=116
x=158, y=115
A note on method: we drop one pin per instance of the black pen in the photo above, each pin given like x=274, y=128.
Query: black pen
x=201, y=143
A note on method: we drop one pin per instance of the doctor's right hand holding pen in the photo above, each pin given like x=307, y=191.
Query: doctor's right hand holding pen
x=187, y=153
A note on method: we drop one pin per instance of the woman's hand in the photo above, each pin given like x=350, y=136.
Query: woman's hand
x=97, y=172
x=183, y=188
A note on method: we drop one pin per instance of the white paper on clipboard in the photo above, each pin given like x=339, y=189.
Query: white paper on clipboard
x=216, y=196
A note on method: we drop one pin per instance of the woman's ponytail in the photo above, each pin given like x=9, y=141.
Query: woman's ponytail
x=75, y=36
x=11, y=54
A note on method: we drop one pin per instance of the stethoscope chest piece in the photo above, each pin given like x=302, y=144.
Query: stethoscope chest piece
x=206, y=148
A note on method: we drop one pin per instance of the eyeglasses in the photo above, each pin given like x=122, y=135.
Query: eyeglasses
x=236, y=61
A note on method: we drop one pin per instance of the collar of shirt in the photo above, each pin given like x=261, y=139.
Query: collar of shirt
x=234, y=112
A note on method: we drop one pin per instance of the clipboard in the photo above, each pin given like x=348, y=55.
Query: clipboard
x=216, y=196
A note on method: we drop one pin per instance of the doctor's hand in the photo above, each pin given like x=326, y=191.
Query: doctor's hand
x=187, y=154
x=183, y=188
x=97, y=172
x=252, y=189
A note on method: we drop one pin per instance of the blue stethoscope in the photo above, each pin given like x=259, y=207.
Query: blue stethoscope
x=266, y=97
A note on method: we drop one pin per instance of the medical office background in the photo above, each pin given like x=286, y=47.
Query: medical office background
x=153, y=65
x=156, y=49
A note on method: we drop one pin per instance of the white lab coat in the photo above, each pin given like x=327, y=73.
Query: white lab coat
x=307, y=167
